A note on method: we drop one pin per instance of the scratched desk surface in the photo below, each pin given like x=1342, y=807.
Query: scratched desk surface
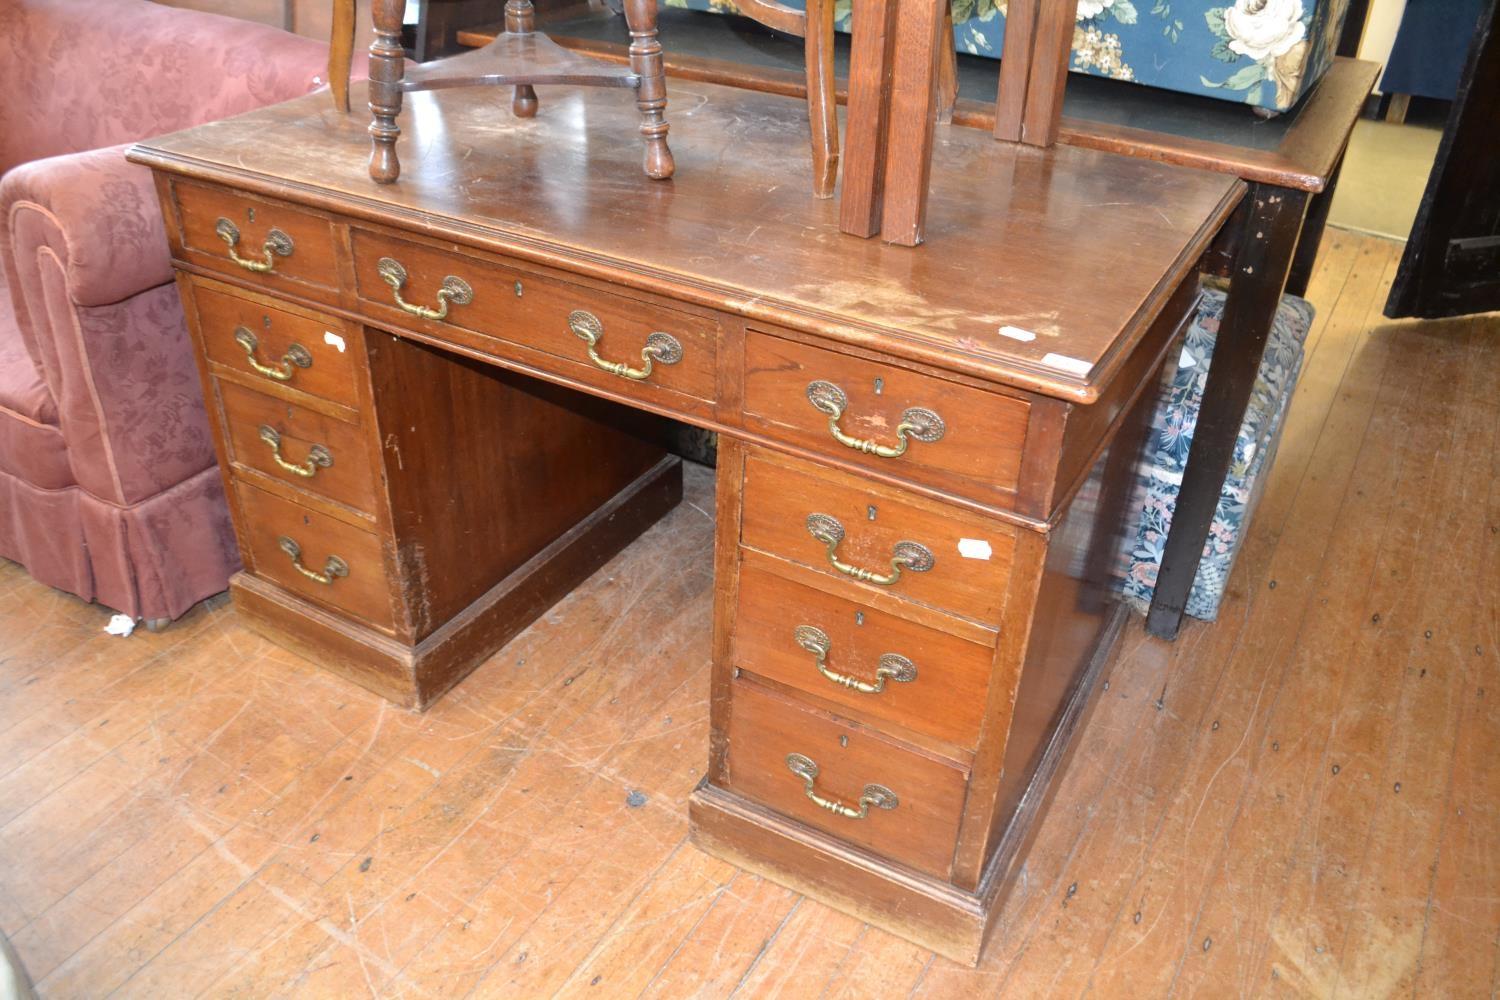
x=1042, y=267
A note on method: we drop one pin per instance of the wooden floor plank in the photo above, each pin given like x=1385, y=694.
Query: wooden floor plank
x=1461, y=926
x=1143, y=955
x=1309, y=931
x=1401, y=852
x=1253, y=871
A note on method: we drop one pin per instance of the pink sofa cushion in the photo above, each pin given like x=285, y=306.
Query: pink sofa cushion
x=34, y=452
x=21, y=388
x=73, y=77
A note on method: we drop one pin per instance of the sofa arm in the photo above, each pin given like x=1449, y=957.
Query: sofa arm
x=105, y=210
x=85, y=252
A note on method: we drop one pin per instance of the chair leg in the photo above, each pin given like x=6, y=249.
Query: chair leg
x=822, y=103
x=651, y=98
x=387, y=67
x=520, y=19
x=948, y=73
x=341, y=52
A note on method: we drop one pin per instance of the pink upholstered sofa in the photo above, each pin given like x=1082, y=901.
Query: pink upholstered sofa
x=108, y=487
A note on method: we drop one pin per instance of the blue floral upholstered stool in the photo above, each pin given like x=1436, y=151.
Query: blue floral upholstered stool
x=1160, y=475
x=1265, y=53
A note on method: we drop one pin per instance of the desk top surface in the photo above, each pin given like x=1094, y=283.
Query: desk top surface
x=1075, y=249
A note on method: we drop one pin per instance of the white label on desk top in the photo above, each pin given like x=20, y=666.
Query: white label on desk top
x=1016, y=333
x=1186, y=361
x=1067, y=364
x=974, y=548
x=333, y=340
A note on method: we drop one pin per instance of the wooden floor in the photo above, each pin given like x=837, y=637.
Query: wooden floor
x=1300, y=799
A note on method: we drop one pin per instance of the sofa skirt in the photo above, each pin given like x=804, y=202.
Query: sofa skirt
x=155, y=559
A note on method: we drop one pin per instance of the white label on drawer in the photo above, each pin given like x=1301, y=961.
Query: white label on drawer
x=1067, y=364
x=1016, y=333
x=974, y=548
x=333, y=340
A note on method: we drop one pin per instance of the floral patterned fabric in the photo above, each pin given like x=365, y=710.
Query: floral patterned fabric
x=1263, y=52
x=1160, y=475
x=108, y=485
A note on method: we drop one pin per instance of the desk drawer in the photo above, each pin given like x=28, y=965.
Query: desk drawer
x=949, y=559
x=276, y=245
x=316, y=452
x=348, y=559
x=913, y=815
x=543, y=313
x=925, y=680
x=963, y=439
x=276, y=346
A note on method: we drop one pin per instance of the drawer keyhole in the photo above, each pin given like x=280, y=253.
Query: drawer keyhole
x=859, y=617
x=843, y=741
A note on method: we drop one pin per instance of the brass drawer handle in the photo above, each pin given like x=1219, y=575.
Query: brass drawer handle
x=455, y=290
x=905, y=555
x=878, y=796
x=893, y=666
x=333, y=569
x=295, y=357
x=660, y=347
x=277, y=244
x=916, y=423
x=318, y=457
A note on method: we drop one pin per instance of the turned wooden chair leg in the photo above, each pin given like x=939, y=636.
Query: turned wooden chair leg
x=822, y=103
x=651, y=98
x=520, y=19
x=387, y=67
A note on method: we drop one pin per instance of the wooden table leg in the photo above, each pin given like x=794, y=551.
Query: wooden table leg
x=1272, y=219
x=1312, y=234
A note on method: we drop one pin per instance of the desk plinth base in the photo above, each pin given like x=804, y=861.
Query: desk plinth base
x=415, y=676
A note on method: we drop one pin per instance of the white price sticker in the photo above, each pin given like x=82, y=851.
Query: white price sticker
x=975, y=548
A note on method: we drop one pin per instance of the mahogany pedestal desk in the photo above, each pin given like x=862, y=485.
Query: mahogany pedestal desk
x=434, y=406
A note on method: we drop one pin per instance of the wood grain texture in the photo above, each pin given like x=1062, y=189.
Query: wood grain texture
x=153, y=782
x=946, y=698
x=308, y=267
x=220, y=312
x=736, y=230
x=1015, y=68
x=912, y=119
x=863, y=198
x=1305, y=160
x=978, y=453
x=1051, y=53
x=781, y=495
x=347, y=478
x=523, y=306
x=919, y=831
